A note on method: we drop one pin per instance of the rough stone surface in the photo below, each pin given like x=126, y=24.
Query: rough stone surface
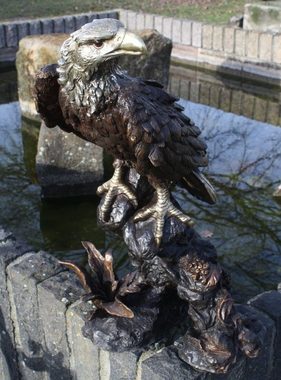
x=166, y=365
x=11, y=35
x=34, y=52
x=23, y=276
x=122, y=365
x=265, y=47
x=270, y=303
x=155, y=65
x=9, y=251
x=67, y=165
x=263, y=16
x=84, y=363
x=54, y=296
x=260, y=367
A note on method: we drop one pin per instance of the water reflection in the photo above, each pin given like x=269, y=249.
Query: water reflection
x=229, y=94
x=244, y=224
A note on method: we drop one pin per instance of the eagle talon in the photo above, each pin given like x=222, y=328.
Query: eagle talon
x=159, y=211
x=112, y=189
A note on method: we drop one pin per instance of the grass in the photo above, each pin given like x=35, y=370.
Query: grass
x=218, y=11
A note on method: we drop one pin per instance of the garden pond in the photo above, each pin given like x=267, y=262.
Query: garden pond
x=240, y=122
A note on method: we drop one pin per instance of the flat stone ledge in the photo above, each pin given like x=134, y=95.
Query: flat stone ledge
x=23, y=276
x=270, y=303
x=54, y=296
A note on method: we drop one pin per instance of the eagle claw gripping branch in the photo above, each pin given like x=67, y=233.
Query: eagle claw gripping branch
x=178, y=294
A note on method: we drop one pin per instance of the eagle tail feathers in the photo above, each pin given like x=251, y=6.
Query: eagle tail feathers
x=198, y=185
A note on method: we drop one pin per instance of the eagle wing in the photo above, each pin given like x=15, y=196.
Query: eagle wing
x=46, y=94
x=166, y=137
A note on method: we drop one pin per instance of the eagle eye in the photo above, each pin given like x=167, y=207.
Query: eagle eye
x=98, y=44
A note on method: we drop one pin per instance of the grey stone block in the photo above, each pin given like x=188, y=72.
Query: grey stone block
x=67, y=165
x=270, y=303
x=2, y=36
x=93, y=16
x=47, y=26
x=58, y=25
x=167, y=27
x=176, y=30
x=123, y=365
x=166, y=365
x=69, y=24
x=149, y=21
x=54, y=296
x=132, y=20
x=186, y=32
x=154, y=65
x=23, y=276
x=22, y=30
x=9, y=251
x=35, y=27
x=197, y=34
x=260, y=367
x=80, y=20
x=140, y=21
x=112, y=14
x=84, y=355
x=11, y=35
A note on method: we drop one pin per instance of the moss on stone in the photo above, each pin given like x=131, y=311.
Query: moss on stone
x=256, y=14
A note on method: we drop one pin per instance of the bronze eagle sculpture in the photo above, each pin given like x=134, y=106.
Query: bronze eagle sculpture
x=134, y=120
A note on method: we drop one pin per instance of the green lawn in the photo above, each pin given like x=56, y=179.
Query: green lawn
x=203, y=10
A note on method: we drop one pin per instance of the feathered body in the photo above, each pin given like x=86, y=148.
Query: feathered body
x=133, y=119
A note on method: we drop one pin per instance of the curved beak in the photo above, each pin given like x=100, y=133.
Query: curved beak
x=132, y=44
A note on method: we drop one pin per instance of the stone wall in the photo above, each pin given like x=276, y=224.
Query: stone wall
x=223, y=47
x=41, y=316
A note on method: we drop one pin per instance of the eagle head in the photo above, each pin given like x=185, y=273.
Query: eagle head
x=88, y=58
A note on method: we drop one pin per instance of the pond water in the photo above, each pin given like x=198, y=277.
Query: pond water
x=245, y=168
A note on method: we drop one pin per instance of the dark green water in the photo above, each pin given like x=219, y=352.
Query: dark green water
x=245, y=224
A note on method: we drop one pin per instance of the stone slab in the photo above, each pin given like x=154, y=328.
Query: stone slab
x=54, y=296
x=22, y=30
x=270, y=303
x=11, y=35
x=228, y=43
x=84, y=356
x=69, y=24
x=166, y=365
x=123, y=365
x=9, y=251
x=265, y=47
x=35, y=27
x=218, y=38
x=260, y=368
x=263, y=16
x=197, y=34
x=186, y=32
x=176, y=30
x=2, y=36
x=34, y=52
x=207, y=38
x=59, y=25
x=66, y=165
x=24, y=274
x=47, y=26
x=149, y=21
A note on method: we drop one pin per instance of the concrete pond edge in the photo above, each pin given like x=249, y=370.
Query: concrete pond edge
x=41, y=316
